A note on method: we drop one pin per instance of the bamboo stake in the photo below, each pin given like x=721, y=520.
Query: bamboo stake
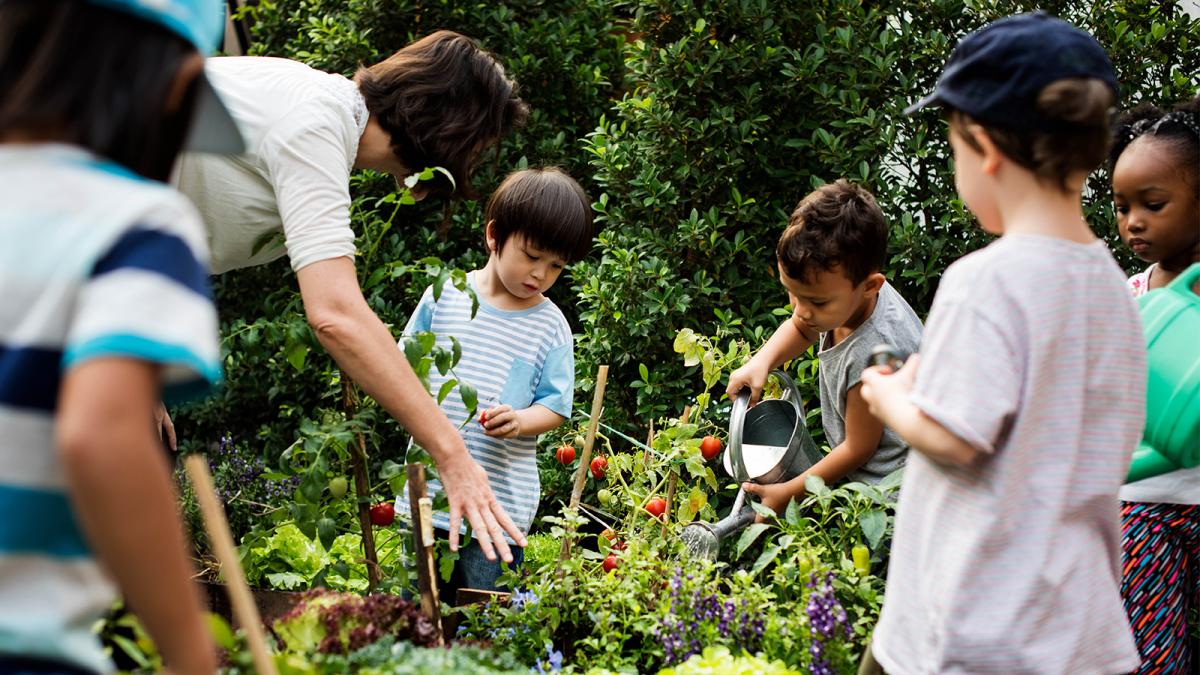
x=362, y=487
x=585, y=456
x=649, y=444
x=244, y=609
x=687, y=413
x=423, y=543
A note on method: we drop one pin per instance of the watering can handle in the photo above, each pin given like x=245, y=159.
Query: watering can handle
x=737, y=419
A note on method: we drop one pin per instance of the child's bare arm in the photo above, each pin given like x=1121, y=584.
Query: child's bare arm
x=790, y=340
x=888, y=398
x=121, y=489
x=504, y=422
x=863, y=432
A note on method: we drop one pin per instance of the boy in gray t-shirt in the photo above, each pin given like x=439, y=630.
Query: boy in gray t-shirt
x=830, y=259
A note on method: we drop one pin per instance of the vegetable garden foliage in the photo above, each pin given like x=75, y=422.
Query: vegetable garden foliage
x=696, y=128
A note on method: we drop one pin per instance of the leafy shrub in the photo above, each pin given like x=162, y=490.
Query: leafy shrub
x=736, y=109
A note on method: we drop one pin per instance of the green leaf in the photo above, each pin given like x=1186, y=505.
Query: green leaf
x=749, y=535
x=221, y=633
x=792, y=516
x=296, y=353
x=644, y=372
x=440, y=282
x=413, y=351
x=130, y=649
x=815, y=485
x=312, y=485
x=769, y=554
x=762, y=510
x=470, y=397
x=390, y=469
x=327, y=531
x=874, y=525
x=288, y=581
x=445, y=390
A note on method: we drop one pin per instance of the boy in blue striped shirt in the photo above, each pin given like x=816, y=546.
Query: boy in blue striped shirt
x=517, y=350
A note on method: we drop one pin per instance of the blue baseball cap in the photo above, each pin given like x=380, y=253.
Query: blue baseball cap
x=202, y=23
x=996, y=73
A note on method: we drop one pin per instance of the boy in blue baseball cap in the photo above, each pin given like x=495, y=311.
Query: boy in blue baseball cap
x=104, y=273
x=1026, y=401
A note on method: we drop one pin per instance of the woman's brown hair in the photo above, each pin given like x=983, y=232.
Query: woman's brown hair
x=1081, y=108
x=444, y=101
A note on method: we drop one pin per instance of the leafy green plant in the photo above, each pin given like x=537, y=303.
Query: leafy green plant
x=721, y=661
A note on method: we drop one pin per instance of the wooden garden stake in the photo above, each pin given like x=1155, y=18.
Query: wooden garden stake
x=671, y=484
x=585, y=456
x=362, y=487
x=649, y=444
x=423, y=545
x=217, y=527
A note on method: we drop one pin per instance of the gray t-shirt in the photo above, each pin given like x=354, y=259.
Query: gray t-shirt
x=893, y=322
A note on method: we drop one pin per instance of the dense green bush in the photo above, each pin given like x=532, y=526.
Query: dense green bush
x=567, y=57
x=696, y=127
x=736, y=109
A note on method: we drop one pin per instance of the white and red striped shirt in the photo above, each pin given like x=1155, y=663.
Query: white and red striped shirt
x=1033, y=353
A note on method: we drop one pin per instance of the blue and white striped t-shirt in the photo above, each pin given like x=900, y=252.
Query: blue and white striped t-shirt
x=519, y=358
x=94, y=262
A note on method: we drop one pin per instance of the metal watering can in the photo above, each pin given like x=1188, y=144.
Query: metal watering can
x=1171, y=321
x=768, y=443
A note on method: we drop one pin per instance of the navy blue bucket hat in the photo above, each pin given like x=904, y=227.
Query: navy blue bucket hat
x=996, y=73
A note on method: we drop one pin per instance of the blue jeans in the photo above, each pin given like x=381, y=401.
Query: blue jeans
x=475, y=571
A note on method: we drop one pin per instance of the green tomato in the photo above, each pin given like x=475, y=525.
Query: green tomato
x=606, y=496
x=337, y=487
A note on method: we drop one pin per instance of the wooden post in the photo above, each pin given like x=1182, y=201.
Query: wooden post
x=362, y=486
x=674, y=480
x=217, y=527
x=649, y=444
x=585, y=456
x=423, y=544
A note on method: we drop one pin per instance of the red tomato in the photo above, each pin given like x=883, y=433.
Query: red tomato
x=383, y=514
x=611, y=563
x=609, y=534
x=483, y=417
x=565, y=454
x=656, y=507
x=599, y=467
x=619, y=546
x=710, y=447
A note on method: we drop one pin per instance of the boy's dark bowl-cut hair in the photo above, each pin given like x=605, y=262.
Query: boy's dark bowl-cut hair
x=548, y=208
x=837, y=225
x=1080, y=107
x=443, y=101
x=77, y=73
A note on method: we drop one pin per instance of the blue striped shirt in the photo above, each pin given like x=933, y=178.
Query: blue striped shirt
x=94, y=262
x=519, y=358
